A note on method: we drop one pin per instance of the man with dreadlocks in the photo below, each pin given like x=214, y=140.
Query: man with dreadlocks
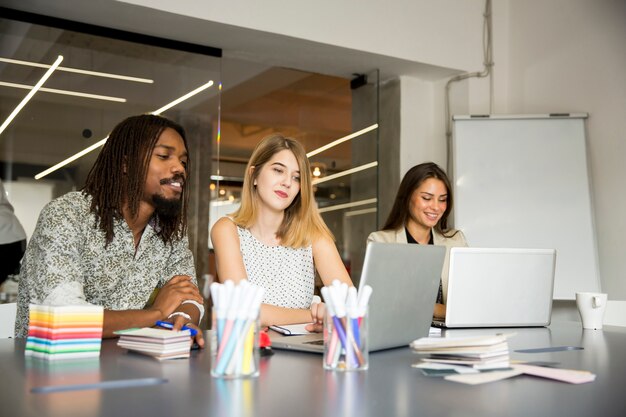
x=121, y=237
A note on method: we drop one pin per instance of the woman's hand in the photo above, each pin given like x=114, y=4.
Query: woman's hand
x=318, y=310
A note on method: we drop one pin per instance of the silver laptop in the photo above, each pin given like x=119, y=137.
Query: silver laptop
x=405, y=280
x=499, y=287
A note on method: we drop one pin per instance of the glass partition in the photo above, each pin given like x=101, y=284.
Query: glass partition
x=48, y=148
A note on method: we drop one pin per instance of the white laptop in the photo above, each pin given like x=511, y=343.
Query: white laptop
x=499, y=287
x=405, y=280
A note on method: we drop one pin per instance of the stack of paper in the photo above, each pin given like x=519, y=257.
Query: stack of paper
x=481, y=352
x=159, y=343
x=64, y=332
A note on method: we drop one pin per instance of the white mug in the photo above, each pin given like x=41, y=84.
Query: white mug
x=591, y=306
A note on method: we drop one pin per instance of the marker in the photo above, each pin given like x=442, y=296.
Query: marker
x=332, y=358
x=353, y=315
x=340, y=322
x=170, y=326
x=231, y=315
x=363, y=300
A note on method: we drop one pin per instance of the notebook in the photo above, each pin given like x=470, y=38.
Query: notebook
x=405, y=280
x=499, y=287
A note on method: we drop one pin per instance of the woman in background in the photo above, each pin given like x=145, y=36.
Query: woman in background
x=420, y=215
x=277, y=238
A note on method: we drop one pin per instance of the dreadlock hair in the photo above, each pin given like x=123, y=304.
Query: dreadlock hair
x=118, y=176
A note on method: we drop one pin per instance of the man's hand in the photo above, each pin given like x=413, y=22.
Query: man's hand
x=172, y=294
x=180, y=321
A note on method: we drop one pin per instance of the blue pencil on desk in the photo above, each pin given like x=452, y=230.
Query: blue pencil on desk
x=168, y=325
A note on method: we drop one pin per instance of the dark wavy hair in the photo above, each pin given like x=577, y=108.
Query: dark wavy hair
x=411, y=181
x=118, y=176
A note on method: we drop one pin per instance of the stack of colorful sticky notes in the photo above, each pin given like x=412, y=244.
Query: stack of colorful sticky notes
x=64, y=332
x=158, y=343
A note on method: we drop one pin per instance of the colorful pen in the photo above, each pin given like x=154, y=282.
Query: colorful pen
x=170, y=326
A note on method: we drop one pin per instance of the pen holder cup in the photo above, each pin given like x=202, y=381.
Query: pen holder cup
x=345, y=343
x=234, y=347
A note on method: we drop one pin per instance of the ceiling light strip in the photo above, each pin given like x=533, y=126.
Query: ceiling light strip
x=346, y=172
x=102, y=142
x=183, y=98
x=348, y=205
x=65, y=92
x=360, y=212
x=79, y=71
x=342, y=140
x=71, y=158
x=31, y=93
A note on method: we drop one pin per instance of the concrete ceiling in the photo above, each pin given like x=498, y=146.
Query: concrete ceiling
x=236, y=42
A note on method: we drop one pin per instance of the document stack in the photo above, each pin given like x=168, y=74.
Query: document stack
x=159, y=343
x=64, y=332
x=477, y=352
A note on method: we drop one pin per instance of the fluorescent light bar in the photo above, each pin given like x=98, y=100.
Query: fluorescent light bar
x=346, y=172
x=65, y=92
x=342, y=140
x=31, y=93
x=183, y=98
x=360, y=212
x=103, y=141
x=71, y=158
x=78, y=71
x=348, y=205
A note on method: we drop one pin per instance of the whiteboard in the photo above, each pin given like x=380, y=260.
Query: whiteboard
x=523, y=182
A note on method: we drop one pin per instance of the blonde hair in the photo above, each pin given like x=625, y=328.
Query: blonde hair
x=302, y=223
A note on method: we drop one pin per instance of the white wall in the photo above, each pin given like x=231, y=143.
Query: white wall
x=422, y=121
x=414, y=30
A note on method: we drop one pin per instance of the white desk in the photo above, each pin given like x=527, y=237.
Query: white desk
x=294, y=384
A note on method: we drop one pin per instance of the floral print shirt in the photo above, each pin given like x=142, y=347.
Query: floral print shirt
x=67, y=263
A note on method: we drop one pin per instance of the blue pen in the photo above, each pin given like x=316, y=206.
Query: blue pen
x=170, y=326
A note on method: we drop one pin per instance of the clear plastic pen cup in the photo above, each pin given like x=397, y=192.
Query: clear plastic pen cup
x=345, y=342
x=234, y=345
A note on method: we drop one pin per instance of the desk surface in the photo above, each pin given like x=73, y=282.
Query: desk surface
x=294, y=383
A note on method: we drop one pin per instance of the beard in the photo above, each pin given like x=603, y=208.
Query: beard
x=167, y=207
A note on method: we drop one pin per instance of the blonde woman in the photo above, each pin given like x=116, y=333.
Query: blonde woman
x=277, y=239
